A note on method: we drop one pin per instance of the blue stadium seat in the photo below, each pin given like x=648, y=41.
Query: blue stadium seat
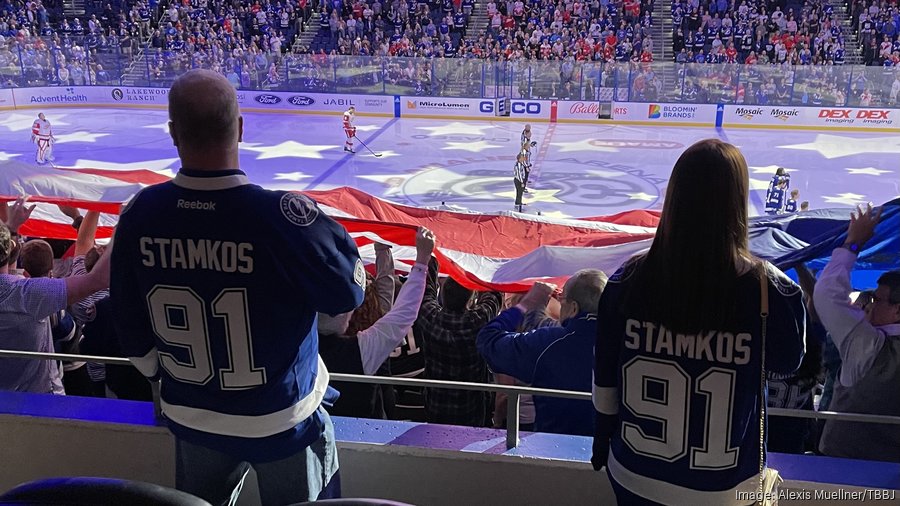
x=81, y=491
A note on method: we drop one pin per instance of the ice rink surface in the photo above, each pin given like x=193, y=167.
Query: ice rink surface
x=579, y=169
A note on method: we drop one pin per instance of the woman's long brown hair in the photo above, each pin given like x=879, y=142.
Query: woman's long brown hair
x=687, y=279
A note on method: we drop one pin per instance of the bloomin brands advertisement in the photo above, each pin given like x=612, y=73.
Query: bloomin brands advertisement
x=749, y=116
x=650, y=113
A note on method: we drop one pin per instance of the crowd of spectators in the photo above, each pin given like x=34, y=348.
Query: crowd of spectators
x=877, y=25
x=757, y=32
x=796, y=50
x=39, y=46
x=577, y=48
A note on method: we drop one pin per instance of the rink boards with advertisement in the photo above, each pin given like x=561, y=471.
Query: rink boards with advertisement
x=562, y=111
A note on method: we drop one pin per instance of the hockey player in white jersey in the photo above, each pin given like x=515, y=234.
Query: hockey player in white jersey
x=349, y=129
x=42, y=135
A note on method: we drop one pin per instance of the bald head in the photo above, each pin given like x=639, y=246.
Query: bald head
x=203, y=113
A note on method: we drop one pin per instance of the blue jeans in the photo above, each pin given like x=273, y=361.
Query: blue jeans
x=218, y=478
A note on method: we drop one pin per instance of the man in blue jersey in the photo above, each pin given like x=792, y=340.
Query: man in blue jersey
x=215, y=292
x=557, y=357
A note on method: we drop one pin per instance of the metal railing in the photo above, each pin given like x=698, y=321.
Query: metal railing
x=92, y=60
x=513, y=392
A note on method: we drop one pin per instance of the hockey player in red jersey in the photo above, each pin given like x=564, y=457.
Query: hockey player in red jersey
x=349, y=129
x=42, y=134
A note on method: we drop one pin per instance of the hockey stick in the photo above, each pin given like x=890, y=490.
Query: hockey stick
x=376, y=155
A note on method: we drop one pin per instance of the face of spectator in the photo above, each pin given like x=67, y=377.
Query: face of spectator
x=881, y=311
x=567, y=308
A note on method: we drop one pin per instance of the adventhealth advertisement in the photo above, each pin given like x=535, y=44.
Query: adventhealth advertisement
x=827, y=117
x=127, y=96
x=664, y=113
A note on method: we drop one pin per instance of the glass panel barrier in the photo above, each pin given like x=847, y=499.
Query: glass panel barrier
x=107, y=59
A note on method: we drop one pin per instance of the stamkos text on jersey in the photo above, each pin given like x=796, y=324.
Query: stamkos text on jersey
x=712, y=346
x=220, y=256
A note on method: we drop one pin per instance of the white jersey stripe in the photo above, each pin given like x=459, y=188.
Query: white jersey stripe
x=251, y=426
x=667, y=493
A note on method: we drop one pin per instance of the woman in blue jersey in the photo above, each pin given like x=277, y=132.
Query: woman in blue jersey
x=679, y=351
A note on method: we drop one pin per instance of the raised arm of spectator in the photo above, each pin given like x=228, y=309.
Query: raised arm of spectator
x=84, y=310
x=430, y=304
x=87, y=233
x=384, y=276
x=80, y=287
x=486, y=308
x=516, y=353
x=857, y=340
x=378, y=341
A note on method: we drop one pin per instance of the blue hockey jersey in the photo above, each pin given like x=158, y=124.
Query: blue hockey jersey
x=775, y=200
x=215, y=286
x=679, y=414
x=790, y=206
x=548, y=357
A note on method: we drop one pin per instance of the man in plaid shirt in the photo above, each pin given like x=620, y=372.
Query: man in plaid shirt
x=449, y=328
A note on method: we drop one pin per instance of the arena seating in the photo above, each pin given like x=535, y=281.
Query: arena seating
x=747, y=32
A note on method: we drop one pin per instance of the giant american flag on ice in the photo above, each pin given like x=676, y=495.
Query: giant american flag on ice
x=504, y=251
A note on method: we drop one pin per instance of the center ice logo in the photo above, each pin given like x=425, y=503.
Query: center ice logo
x=483, y=182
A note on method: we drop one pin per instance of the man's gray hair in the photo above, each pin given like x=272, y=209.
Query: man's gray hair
x=585, y=287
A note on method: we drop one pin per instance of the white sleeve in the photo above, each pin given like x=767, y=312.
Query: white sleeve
x=857, y=341
x=378, y=341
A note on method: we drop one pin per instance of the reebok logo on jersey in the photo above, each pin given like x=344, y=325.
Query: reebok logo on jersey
x=299, y=209
x=196, y=204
